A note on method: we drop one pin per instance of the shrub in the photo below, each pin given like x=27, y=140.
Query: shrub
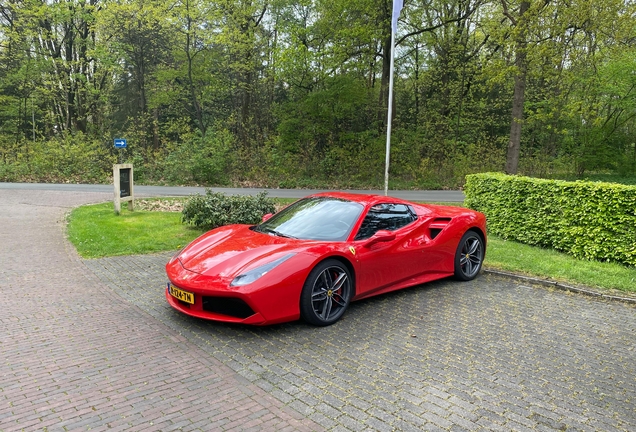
x=70, y=159
x=201, y=160
x=591, y=220
x=215, y=209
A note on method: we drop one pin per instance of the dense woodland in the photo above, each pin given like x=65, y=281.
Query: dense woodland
x=294, y=93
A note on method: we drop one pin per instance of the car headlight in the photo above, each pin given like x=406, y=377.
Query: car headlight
x=258, y=272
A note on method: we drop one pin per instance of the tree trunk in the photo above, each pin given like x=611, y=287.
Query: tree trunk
x=198, y=112
x=417, y=81
x=514, y=144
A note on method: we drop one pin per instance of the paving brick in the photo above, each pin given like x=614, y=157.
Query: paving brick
x=81, y=341
x=97, y=336
x=323, y=420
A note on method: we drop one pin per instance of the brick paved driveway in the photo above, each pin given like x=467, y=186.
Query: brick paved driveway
x=74, y=355
x=93, y=343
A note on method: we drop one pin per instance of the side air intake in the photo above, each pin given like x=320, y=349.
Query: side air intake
x=437, y=225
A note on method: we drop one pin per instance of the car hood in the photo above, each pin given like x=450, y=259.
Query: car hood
x=226, y=252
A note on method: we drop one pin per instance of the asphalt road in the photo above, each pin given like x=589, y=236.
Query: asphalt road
x=153, y=191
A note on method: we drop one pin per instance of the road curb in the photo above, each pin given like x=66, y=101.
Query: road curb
x=564, y=287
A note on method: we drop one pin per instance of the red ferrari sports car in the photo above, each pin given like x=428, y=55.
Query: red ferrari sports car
x=314, y=257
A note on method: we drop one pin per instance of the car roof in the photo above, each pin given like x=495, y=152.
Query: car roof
x=420, y=209
x=362, y=198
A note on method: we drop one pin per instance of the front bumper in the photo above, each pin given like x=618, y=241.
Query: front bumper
x=227, y=309
x=273, y=298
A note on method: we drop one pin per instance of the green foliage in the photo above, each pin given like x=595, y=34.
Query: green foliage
x=294, y=93
x=325, y=118
x=585, y=219
x=202, y=160
x=76, y=158
x=215, y=209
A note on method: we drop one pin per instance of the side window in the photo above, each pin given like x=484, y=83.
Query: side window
x=388, y=217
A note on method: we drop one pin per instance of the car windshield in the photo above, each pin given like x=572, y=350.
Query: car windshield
x=316, y=218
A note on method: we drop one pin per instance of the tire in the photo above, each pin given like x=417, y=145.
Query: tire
x=326, y=293
x=469, y=256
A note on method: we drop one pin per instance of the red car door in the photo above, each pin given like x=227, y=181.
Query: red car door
x=386, y=249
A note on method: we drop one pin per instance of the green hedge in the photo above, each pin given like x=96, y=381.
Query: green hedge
x=589, y=220
x=215, y=209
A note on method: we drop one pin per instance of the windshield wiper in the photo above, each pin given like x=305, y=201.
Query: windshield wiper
x=277, y=233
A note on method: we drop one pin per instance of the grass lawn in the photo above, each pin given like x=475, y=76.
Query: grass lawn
x=547, y=263
x=96, y=231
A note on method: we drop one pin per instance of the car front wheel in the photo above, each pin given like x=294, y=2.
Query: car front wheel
x=469, y=256
x=326, y=293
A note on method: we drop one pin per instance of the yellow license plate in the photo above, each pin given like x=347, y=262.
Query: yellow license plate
x=182, y=295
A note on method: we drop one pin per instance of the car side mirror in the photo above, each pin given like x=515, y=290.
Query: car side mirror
x=267, y=216
x=379, y=237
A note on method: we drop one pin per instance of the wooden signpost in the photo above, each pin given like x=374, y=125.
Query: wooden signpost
x=124, y=190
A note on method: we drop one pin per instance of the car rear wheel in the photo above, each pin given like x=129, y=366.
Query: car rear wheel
x=326, y=293
x=469, y=256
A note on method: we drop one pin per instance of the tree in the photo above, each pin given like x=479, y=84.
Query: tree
x=520, y=34
x=139, y=38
